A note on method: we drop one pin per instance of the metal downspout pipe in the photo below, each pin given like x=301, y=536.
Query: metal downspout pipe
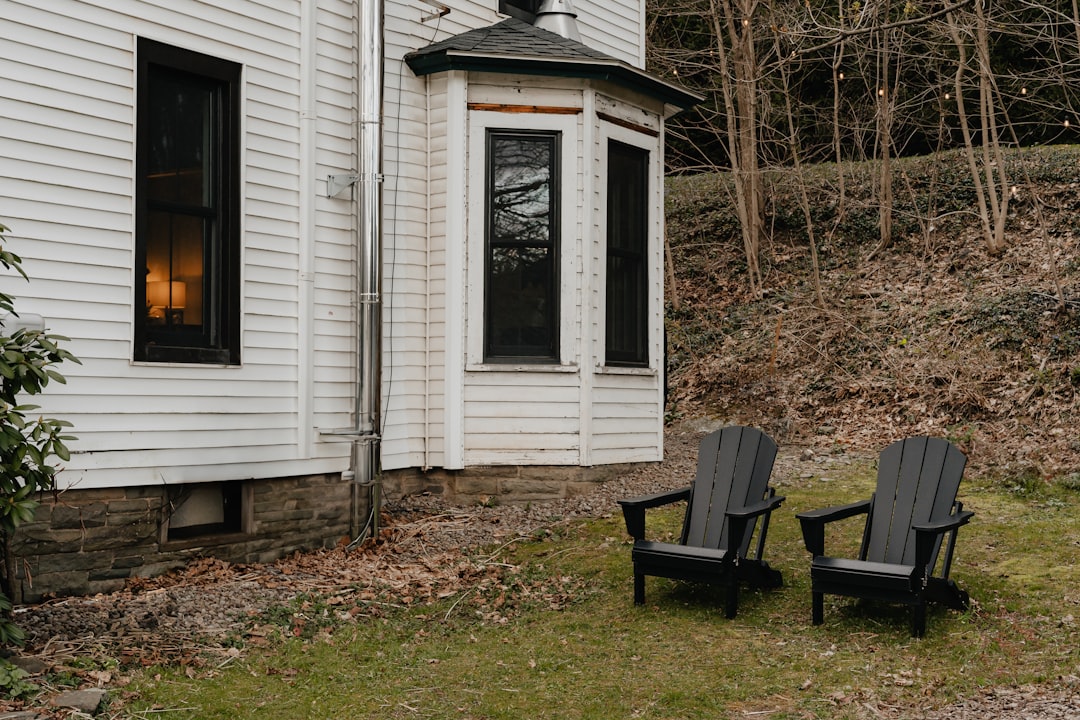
x=366, y=444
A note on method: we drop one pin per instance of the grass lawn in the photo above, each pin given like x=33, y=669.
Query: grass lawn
x=599, y=656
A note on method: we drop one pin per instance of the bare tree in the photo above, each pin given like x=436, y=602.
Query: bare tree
x=738, y=65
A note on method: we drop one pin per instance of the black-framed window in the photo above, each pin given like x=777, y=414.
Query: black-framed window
x=521, y=304
x=187, y=187
x=627, y=322
x=521, y=9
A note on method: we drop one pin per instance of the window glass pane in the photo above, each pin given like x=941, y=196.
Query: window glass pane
x=521, y=291
x=623, y=290
x=174, y=269
x=627, y=241
x=180, y=140
x=520, y=298
x=521, y=192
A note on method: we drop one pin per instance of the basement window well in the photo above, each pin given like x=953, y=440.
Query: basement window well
x=204, y=510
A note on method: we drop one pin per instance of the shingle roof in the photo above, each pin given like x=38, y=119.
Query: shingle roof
x=514, y=46
x=516, y=37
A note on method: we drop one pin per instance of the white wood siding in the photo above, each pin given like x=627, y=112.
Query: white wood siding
x=67, y=151
x=408, y=276
x=615, y=27
x=627, y=403
x=67, y=74
x=334, y=319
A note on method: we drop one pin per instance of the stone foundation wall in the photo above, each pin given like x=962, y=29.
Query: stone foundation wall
x=89, y=541
x=499, y=483
x=83, y=542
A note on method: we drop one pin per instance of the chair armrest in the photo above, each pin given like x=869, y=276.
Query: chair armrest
x=634, y=508
x=926, y=535
x=758, y=508
x=742, y=518
x=837, y=512
x=813, y=522
x=951, y=523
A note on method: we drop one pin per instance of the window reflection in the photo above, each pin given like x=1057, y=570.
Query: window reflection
x=521, y=263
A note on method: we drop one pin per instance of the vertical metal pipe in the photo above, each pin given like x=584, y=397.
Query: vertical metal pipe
x=366, y=448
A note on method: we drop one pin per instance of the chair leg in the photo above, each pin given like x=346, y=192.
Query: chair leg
x=918, y=619
x=817, y=608
x=731, y=608
x=639, y=589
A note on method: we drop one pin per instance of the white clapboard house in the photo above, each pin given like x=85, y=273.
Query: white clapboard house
x=309, y=251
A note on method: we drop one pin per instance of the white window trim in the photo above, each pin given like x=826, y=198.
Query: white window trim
x=654, y=252
x=480, y=121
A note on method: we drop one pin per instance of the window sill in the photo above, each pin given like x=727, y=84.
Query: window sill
x=166, y=364
x=206, y=541
x=620, y=370
x=521, y=367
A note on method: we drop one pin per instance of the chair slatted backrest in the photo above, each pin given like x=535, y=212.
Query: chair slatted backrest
x=917, y=482
x=734, y=466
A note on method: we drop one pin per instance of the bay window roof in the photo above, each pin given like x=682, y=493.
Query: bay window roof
x=516, y=47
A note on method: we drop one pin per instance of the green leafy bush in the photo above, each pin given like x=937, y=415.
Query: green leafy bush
x=27, y=443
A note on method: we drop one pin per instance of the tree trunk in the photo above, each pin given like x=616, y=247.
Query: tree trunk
x=734, y=23
x=965, y=128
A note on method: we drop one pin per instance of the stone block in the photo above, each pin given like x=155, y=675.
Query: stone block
x=84, y=701
x=477, y=485
x=114, y=537
x=72, y=562
x=560, y=474
x=127, y=561
x=80, y=497
x=74, y=582
x=501, y=472
x=65, y=517
x=42, y=514
x=43, y=541
x=105, y=574
x=285, y=516
x=122, y=508
x=523, y=490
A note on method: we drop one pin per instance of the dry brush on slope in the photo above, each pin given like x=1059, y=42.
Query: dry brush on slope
x=931, y=335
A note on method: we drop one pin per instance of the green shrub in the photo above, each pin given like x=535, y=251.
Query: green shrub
x=27, y=443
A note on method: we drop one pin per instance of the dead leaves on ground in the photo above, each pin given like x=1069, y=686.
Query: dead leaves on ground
x=410, y=566
x=438, y=588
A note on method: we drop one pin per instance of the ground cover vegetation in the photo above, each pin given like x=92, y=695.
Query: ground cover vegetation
x=933, y=335
x=593, y=654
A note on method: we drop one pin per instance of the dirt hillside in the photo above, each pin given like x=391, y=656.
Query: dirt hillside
x=931, y=335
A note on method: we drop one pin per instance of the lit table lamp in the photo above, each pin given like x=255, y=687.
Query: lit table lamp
x=170, y=296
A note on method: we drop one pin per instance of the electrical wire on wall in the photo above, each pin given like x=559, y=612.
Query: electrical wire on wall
x=392, y=191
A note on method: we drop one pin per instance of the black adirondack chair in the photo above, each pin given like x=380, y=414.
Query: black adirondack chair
x=727, y=498
x=913, y=509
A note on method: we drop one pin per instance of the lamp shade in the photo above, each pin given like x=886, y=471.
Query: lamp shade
x=163, y=293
